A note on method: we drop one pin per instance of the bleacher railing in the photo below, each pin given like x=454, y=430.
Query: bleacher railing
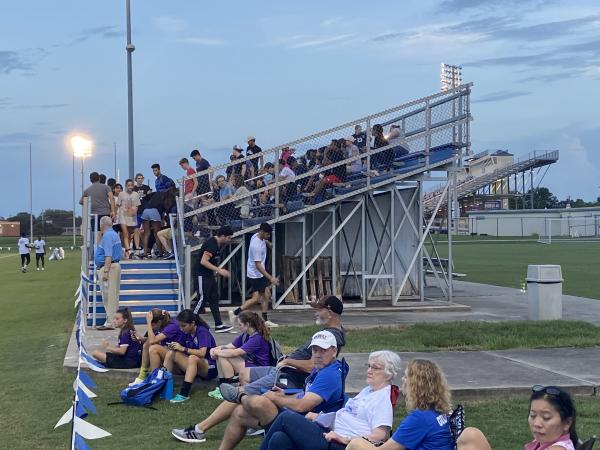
x=425, y=124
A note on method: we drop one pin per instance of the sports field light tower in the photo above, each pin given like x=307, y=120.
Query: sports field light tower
x=450, y=76
x=82, y=148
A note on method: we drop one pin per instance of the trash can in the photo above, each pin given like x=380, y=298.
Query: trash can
x=544, y=292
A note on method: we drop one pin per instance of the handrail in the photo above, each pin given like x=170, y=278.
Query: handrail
x=173, y=223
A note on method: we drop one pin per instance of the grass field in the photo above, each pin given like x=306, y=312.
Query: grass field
x=505, y=263
x=38, y=317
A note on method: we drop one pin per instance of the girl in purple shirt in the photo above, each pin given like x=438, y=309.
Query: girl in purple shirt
x=127, y=353
x=250, y=349
x=162, y=330
x=192, y=357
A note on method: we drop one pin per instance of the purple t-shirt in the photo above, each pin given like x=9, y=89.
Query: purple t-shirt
x=173, y=333
x=134, y=348
x=256, y=348
x=202, y=338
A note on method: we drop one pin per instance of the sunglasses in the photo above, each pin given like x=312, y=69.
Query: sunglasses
x=546, y=389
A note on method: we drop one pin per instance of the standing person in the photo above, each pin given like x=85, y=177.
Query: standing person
x=207, y=283
x=40, y=250
x=259, y=280
x=128, y=352
x=127, y=204
x=360, y=137
x=101, y=198
x=24, y=252
x=190, y=186
x=142, y=190
x=254, y=149
x=234, y=168
x=106, y=258
x=162, y=182
x=204, y=181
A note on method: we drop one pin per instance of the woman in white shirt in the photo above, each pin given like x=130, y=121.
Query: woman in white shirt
x=369, y=414
x=127, y=202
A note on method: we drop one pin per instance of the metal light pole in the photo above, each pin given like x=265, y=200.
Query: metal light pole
x=73, y=173
x=115, y=151
x=130, y=48
x=30, y=197
x=82, y=148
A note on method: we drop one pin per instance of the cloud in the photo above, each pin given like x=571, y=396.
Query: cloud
x=171, y=25
x=104, y=32
x=208, y=42
x=43, y=106
x=331, y=21
x=5, y=101
x=389, y=36
x=454, y=6
x=12, y=61
x=17, y=137
x=499, y=96
x=320, y=41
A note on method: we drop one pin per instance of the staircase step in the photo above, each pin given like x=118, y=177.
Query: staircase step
x=141, y=308
x=146, y=285
x=143, y=295
x=139, y=317
x=149, y=275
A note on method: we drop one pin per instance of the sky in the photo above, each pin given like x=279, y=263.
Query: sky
x=207, y=74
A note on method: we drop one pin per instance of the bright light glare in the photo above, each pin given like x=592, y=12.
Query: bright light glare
x=82, y=147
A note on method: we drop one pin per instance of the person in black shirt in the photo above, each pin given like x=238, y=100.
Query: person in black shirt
x=143, y=190
x=207, y=283
x=360, y=137
x=201, y=165
x=240, y=167
x=335, y=175
x=382, y=160
x=254, y=149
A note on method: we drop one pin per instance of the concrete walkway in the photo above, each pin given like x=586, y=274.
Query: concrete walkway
x=470, y=374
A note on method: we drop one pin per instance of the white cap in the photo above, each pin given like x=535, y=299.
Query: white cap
x=323, y=339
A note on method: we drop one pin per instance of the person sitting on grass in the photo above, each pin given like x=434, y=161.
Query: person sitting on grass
x=127, y=353
x=428, y=404
x=369, y=414
x=249, y=349
x=162, y=330
x=258, y=379
x=323, y=392
x=551, y=420
x=193, y=358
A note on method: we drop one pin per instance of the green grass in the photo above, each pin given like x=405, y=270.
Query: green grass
x=37, y=320
x=429, y=337
x=51, y=241
x=505, y=263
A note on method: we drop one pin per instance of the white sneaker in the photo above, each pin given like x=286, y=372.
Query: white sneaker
x=38, y=269
x=136, y=381
x=43, y=269
x=271, y=324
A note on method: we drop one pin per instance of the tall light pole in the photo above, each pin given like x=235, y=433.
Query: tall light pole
x=82, y=148
x=30, y=197
x=130, y=48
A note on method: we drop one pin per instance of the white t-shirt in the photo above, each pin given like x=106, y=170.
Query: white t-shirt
x=23, y=243
x=365, y=412
x=287, y=173
x=40, y=246
x=126, y=203
x=256, y=252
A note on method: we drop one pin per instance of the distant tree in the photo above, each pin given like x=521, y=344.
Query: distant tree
x=50, y=222
x=542, y=199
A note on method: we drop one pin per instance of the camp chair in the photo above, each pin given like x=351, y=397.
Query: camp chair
x=457, y=423
x=586, y=445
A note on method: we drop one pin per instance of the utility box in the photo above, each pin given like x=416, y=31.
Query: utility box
x=544, y=292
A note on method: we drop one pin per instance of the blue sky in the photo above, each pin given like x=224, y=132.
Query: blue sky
x=207, y=74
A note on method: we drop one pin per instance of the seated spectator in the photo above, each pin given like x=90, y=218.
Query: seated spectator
x=204, y=181
x=336, y=175
x=242, y=192
x=249, y=349
x=383, y=159
x=551, y=420
x=128, y=352
x=323, y=392
x=428, y=404
x=360, y=137
x=165, y=237
x=269, y=176
x=257, y=379
x=286, y=153
x=236, y=168
x=369, y=414
x=398, y=142
x=193, y=357
x=162, y=330
x=190, y=186
x=351, y=150
x=311, y=159
x=225, y=192
x=289, y=190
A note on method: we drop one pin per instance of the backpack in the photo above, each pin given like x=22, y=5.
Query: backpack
x=144, y=393
x=275, y=352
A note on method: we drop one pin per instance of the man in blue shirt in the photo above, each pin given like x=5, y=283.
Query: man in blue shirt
x=162, y=182
x=106, y=258
x=323, y=392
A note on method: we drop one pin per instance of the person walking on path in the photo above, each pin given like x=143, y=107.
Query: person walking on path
x=106, y=258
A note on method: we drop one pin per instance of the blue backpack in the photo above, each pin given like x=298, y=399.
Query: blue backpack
x=144, y=393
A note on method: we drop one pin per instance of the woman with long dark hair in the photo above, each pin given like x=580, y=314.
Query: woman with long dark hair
x=249, y=349
x=127, y=353
x=193, y=358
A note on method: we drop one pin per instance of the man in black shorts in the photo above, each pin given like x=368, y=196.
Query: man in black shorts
x=259, y=280
x=207, y=282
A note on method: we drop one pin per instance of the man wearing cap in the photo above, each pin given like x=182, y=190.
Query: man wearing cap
x=255, y=379
x=323, y=392
x=254, y=149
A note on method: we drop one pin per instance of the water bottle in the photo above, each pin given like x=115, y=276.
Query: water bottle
x=167, y=391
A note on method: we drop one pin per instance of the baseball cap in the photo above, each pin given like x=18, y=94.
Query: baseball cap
x=250, y=138
x=330, y=302
x=236, y=147
x=323, y=339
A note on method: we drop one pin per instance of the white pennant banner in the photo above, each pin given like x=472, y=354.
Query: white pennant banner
x=66, y=418
x=92, y=366
x=83, y=387
x=88, y=431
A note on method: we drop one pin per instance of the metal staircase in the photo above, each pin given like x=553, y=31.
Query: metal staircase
x=531, y=161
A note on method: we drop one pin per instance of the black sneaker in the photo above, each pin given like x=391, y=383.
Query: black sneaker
x=189, y=435
x=223, y=328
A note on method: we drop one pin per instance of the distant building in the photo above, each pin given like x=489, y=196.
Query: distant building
x=10, y=229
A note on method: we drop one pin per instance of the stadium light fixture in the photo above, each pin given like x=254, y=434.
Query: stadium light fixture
x=450, y=76
x=82, y=148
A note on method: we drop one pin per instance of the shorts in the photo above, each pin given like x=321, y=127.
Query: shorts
x=261, y=379
x=211, y=375
x=117, y=228
x=167, y=233
x=139, y=221
x=331, y=179
x=151, y=215
x=114, y=361
x=259, y=285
